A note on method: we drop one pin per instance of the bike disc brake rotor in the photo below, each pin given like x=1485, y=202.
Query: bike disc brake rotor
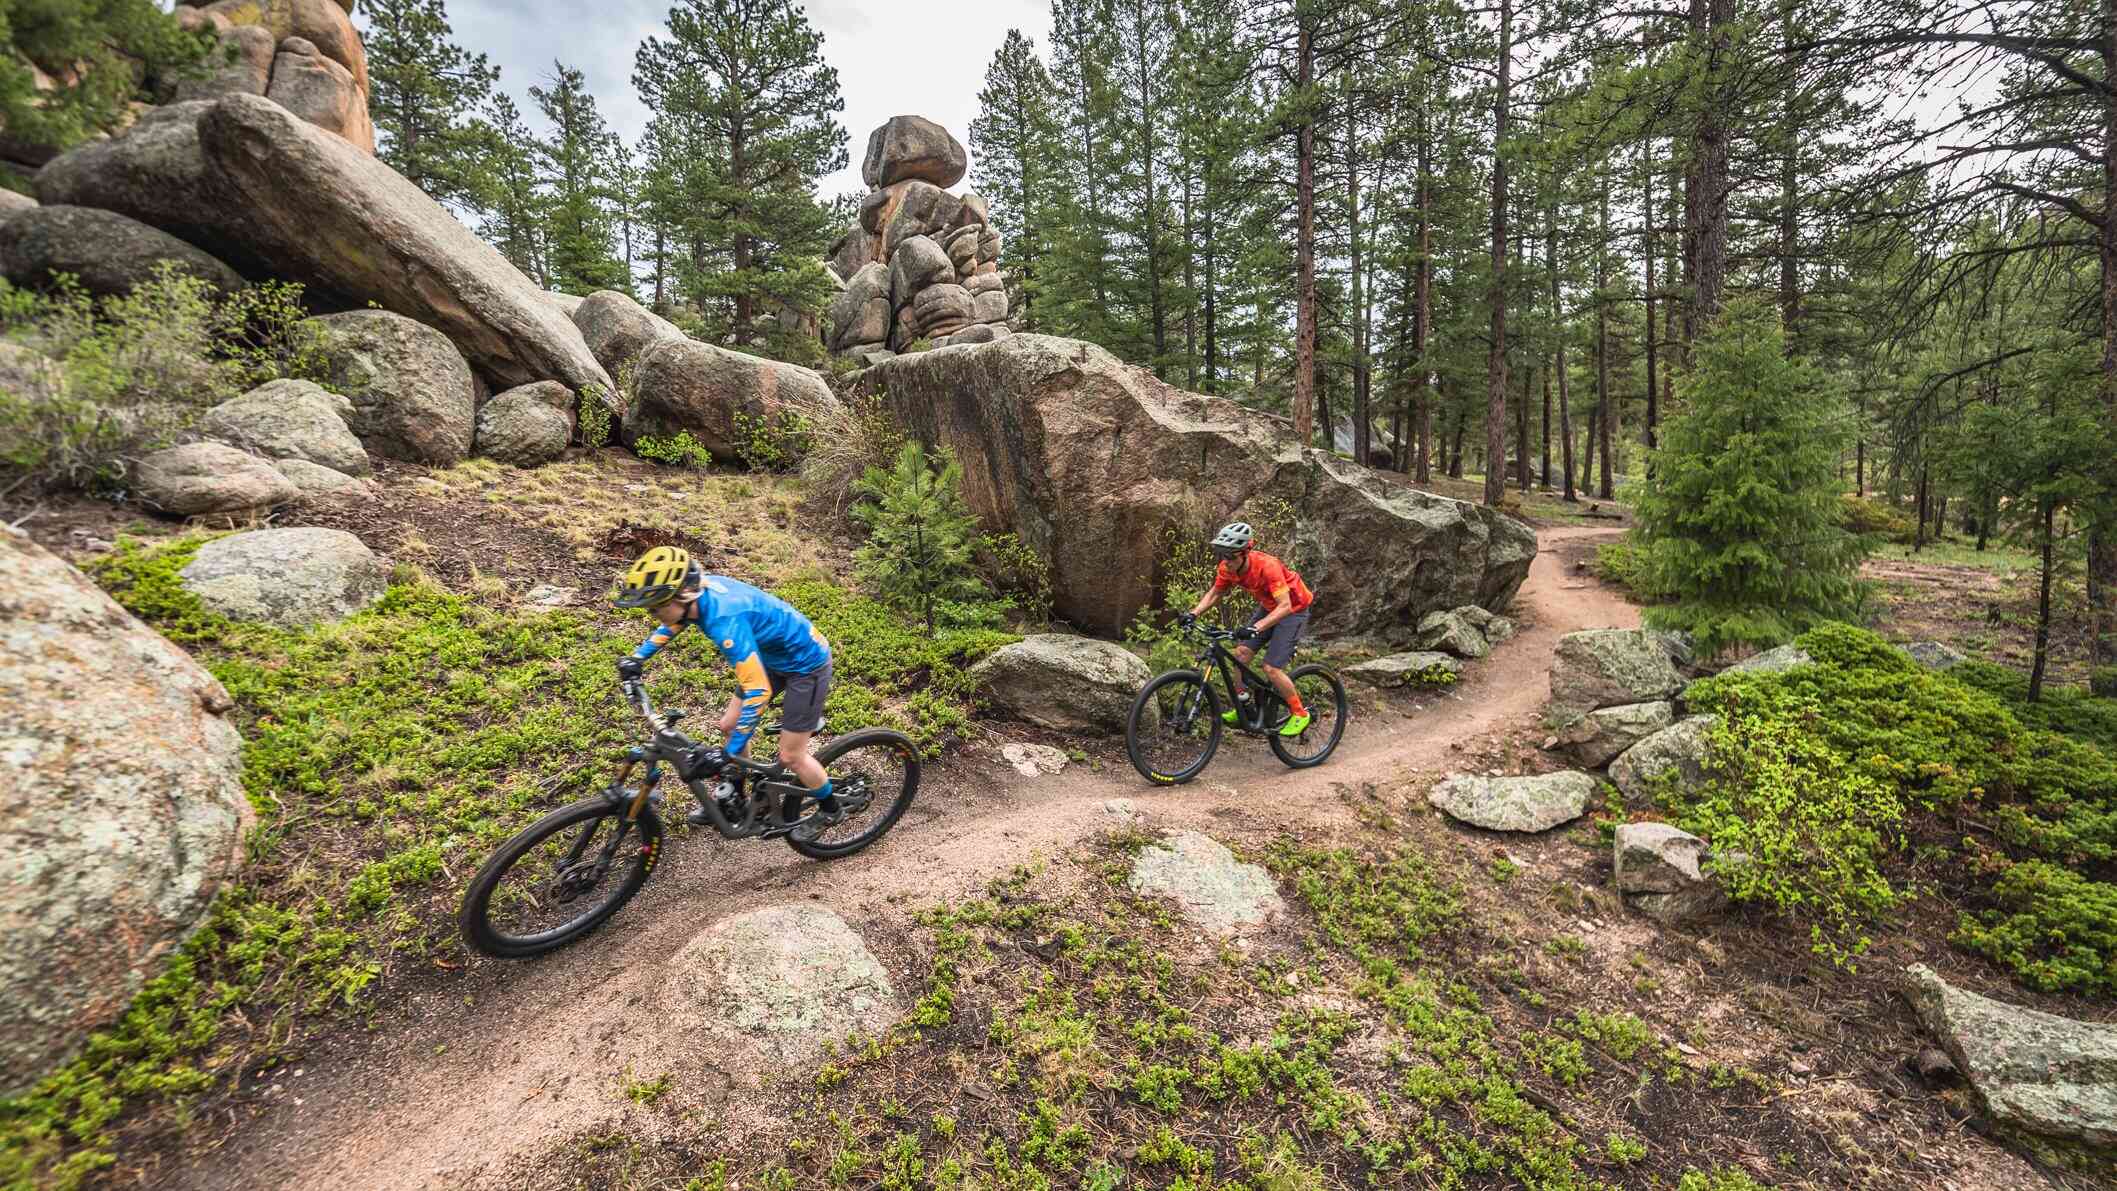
x=574, y=880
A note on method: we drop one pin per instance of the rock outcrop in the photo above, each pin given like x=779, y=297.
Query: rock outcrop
x=683, y=385
x=155, y=173
x=1062, y=682
x=1211, y=887
x=203, y=478
x=921, y=263
x=1526, y=804
x=291, y=578
x=320, y=91
x=1098, y=466
x=126, y=809
x=107, y=253
x=413, y=396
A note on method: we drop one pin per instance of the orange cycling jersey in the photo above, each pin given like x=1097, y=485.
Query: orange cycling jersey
x=1266, y=579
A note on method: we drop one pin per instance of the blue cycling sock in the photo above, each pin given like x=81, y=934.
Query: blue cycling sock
x=823, y=795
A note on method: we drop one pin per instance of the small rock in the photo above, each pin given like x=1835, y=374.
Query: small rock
x=1034, y=760
x=1608, y=667
x=1771, y=661
x=209, y=477
x=1452, y=632
x=1124, y=810
x=1933, y=1065
x=789, y=978
x=1062, y=682
x=1213, y=889
x=1935, y=655
x=1680, y=748
x=546, y=595
x=1399, y=668
x=1595, y=739
x=1526, y=804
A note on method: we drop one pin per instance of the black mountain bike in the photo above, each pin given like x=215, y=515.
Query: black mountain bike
x=567, y=872
x=1176, y=722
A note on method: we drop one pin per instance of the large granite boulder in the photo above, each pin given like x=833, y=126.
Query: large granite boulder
x=326, y=25
x=685, y=385
x=203, y=478
x=1679, y=750
x=291, y=578
x=107, y=253
x=1096, y=464
x=1608, y=667
x=290, y=419
x=1523, y=803
x=413, y=395
x=154, y=172
x=859, y=315
x=2048, y=1082
x=618, y=330
x=321, y=91
x=1063, y=682
x=13, y=203
x=913, y=147
x=126, y=810
x=249, y=70
x=1211, y=888
x=527, y=427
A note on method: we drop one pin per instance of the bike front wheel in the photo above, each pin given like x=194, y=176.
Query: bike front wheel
x=559, y=879
x=1323, y=696
x=874, y=776
x=1174, y=727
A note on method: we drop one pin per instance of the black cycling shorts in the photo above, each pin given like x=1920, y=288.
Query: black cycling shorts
x=802, y=710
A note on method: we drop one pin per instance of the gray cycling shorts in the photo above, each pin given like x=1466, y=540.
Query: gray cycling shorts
x=802, y=709
x=1281, y=638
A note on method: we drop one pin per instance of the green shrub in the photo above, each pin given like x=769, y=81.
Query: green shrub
x=679, y=450
x=1739, y=520
x=2068, y=710
x=845, y=441
x=920, y=536
x=2056, y=929
x=1871, y=518
x=1625, y=564
x=594, y=428
x=777, y=442
x=1014, y=568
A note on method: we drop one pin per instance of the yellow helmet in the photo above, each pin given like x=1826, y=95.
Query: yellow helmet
x=658, y=576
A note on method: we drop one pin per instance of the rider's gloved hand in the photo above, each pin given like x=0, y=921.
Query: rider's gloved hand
x=628, y=669
x=1247, y=633
x=1186, y=620
x=711, y=760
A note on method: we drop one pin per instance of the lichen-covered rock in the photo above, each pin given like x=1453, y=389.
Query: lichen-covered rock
x=682, y=385
x=126, y=810
x=291, y=578
x=202, y=478
x=290, y=419
x=789, y=979
x=1398, y=669
x=1607, y=667
x=1211, y=887
x=154, y=172
x=1658, y=870
x=1063, y=682
x=1595, y=739
x=2048, y=1082
x=918, y=264
x=413, y=395
x=1452, y=632
x=1087, y=459
x=1680, y=750
x=1936, y=655
x=1771, y=661
x=105, y=252
x=1526, y=804
x=527, y=426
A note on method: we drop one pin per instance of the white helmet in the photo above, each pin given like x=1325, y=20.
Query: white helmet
x=1234, y=536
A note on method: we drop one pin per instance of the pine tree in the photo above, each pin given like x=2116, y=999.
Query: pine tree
x=920, y=536
x=74, y=67
x=573, y=172
x=514, y=219
x=425, y=96
x=1076, y=281
x=1014, y=155
x=1740, y=516
x=749, y=109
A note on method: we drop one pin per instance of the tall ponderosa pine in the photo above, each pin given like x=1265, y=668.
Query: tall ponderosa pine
x=741, y=93
x=573, y=165
x=1014, y=154
x=426, y=94
x=1740, y=519
x=514, y=216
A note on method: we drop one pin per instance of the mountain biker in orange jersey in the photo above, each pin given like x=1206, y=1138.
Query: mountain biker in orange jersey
x=772, y=647
x=1282, y=615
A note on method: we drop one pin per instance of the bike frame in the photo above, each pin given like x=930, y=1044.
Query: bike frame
x=1217, y=657
x=767, y=807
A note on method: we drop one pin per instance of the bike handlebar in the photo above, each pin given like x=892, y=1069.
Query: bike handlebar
x=636, y=694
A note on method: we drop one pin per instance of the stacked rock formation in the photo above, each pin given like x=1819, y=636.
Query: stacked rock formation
x=304, y=55
x=921, y=263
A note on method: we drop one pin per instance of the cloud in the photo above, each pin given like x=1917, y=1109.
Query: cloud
x=893, y=57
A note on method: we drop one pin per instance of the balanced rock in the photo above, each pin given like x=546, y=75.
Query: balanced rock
x=1401, y=669
x=1678, y=751
x=1658, y=872
x=1211, y=887
x=107, y=253
x=2048, y=1082
x=1086, y=458
x=708, y=391
x=321, y=91
x=913, y=147
x=291, y=578
x=290, y=419
x=126, y=808
x=1607, y=667
x=1063, y=682
x=619, y=330
x=1526, y=804
x=328, y=214
x=413, y=395
x=324, y=24
x=1596, y=738
x=203, y=478
x=790, y=979
x=527, y=426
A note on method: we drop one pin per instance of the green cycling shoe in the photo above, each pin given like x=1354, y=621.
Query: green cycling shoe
x=1296, y=725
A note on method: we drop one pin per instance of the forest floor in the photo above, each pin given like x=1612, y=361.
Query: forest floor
x=1439, y=1006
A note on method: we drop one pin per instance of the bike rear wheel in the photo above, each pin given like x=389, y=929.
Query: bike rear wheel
x=874, y=775
x=1174, y=727
x=1323, y=696
x=559, y=879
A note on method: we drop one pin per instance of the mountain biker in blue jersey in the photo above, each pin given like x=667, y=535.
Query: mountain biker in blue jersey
x=772, y=647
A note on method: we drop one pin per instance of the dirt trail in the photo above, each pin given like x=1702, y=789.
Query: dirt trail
x=520, y=1055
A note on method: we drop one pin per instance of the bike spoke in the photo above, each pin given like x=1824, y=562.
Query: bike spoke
x=563, y=878
x=1320, y=699
x=1177, y=729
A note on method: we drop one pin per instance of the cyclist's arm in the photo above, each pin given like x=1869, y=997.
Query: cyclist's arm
x=1284, y=609
x=737, y=645
x=1212, y=595
x=662, y=635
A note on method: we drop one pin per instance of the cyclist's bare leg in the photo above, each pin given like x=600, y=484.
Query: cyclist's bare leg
x=794, y=754
x=1280, y=682
x=1243, y=654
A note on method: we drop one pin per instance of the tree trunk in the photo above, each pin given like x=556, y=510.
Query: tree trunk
x=1558, y=366
x=1359, y=296
x=1604, y=404
x=1422, y=317
x=1790, y=133
x=2044, y=534
x=2102, y=536
x=1648, y=249
x=1156, y=307
x=1587, y=453
x=1712, y=155
x=1305, y=242
x=1496, y=357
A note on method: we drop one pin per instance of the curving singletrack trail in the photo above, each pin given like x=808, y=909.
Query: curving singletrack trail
x=520, y=1055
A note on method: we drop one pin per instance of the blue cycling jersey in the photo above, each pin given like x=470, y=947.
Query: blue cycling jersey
x=758, y=633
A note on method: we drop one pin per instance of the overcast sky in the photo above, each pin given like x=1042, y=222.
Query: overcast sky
x=894, y=57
